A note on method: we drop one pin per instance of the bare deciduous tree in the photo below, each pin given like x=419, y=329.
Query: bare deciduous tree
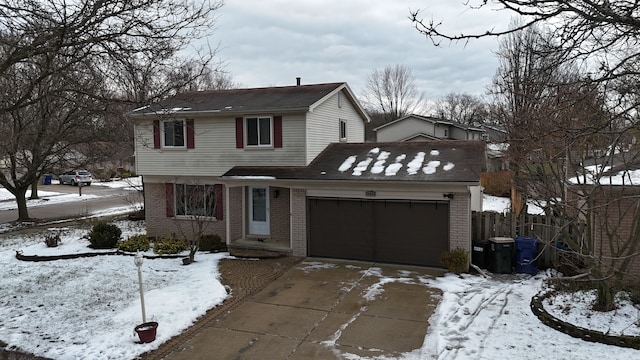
x=462, y=108
x=392, y=92
x=562, y=131
x=63, y=60
x=196, y=209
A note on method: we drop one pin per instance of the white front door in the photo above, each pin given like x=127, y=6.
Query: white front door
x=259, y=210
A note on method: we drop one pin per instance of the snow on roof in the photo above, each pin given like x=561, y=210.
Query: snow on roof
x=428, y=161
x=598, y=174
x=413, y=167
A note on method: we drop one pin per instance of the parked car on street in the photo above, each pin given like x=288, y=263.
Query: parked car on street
x=76, y=177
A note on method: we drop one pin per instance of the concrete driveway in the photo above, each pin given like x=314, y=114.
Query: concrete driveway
x=324, y=309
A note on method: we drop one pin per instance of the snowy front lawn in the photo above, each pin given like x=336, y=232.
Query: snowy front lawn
x=87, y=308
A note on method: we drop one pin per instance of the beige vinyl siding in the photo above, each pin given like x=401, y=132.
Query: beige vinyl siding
x=460, y=134
x=323, y=125
x=404, y=129
x=215, y=149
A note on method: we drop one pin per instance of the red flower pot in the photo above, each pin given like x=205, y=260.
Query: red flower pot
x=147, y=331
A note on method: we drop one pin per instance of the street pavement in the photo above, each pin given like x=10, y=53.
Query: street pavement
x=83, y=206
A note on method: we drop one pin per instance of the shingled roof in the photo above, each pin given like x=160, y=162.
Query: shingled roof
x=425, y=161
x=283, y=98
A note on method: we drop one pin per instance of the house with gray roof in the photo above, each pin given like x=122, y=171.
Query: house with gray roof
x=286, y=169
x=419, y=128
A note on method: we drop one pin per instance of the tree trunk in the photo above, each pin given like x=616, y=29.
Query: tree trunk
x=34, y=190
x=21, y=200
x=605, y=297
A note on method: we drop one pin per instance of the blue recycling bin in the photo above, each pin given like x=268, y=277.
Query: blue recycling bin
x=526, y=252
x=47, y=180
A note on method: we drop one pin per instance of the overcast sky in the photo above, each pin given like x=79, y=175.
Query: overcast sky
x=268, y=43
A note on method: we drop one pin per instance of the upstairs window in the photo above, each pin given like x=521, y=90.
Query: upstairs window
x=173, y=133
x=343, y=130
x=259, y=131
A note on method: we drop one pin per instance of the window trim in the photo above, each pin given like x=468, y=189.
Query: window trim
x=187, y=215
x=163, y=133
x=271, y=132
x=342, y=136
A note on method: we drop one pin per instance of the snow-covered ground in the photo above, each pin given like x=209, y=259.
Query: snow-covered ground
x=88, y=307
x=7, y=200
x=502, y=205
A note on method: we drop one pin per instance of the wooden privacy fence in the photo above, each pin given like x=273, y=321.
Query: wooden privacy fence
x=485, y=225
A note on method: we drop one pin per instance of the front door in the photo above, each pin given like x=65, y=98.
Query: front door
x=258, y=210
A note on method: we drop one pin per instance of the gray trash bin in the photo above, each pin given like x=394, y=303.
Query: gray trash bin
x=501, y=255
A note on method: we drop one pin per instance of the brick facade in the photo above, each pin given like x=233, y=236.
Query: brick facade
x=460, y=222
x=160, y=225
x=235, y=213
x=615, y=232
x=279, y=214
x=299, y=222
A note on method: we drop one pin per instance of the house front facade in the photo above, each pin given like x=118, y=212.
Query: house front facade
x=285, y=169
x=421, y=128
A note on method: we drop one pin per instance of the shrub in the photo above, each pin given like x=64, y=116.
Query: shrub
x=634, y=296
x=169, y=246
x=104, y=236
x=456, y=261
x=52, y=240
x=135, y=243
x=211, y=243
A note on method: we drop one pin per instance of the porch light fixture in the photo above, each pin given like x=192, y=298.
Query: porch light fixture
x=448, y=195
x=276, y=193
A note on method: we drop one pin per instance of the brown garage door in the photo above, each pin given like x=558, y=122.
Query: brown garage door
x=406, y=232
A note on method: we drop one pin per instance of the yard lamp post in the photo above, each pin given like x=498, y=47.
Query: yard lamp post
x=138, y=259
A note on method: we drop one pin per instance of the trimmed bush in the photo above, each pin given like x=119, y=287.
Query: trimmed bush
x=104, y=236
x=52, y=240
x=169, y=246
x=211, y=242
x=135, y=243
x=456, y=261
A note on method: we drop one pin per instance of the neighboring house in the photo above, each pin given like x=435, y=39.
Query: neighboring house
x=426, y=128
x=420, y=128
x=116, y=159
x=613, y=212
x=285, y=169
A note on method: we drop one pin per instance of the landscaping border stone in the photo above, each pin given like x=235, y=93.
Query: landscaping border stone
x=576, y=331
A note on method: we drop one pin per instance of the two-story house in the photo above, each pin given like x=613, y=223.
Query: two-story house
x=420, y=128
x=286, y=169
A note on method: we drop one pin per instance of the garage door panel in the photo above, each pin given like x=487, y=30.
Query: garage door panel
x=413, y=233
x=335, y=232
x=408, y=232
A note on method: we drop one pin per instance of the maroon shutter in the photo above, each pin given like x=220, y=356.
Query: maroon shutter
x=277, y=131
x=156, y=134
x=169, y=200
x=239, y=133
x=190, y=134
x=217, y=189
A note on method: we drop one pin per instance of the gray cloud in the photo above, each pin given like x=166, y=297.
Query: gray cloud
x=272, y=42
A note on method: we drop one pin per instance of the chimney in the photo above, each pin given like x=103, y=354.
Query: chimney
x=298, y=81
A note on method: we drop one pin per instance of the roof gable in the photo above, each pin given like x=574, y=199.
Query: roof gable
x=252, y=100
x=430, y=119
